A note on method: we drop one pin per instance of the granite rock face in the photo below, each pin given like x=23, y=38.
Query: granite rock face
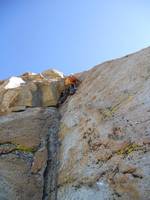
x=96, y=145
x=105, y=133
x=24, y=152
x=31, y=90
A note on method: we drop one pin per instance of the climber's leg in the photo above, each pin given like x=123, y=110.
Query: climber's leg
x=72, y=89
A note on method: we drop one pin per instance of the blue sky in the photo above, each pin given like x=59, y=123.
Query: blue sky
x=69, y=35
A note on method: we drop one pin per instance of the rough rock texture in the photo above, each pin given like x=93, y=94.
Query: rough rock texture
x=105, y=133
x=23, y=152
x=99, y=149
x=37, y=90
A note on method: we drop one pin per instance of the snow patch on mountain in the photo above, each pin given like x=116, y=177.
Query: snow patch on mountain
x=14, y=82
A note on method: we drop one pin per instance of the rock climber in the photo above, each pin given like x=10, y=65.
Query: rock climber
x=71, y=83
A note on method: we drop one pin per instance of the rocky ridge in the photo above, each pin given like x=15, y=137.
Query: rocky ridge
x=94, y=146
x=30, y=90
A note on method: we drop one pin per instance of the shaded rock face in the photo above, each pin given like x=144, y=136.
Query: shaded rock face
x=24, y=151
x=105, y=133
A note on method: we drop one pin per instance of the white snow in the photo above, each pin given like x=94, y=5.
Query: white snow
x=14, y=82
x=32, y=73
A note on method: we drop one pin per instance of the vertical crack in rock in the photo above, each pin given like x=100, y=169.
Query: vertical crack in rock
x=50, y=174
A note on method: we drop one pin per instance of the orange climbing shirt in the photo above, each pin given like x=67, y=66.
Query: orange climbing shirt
x=70, y=80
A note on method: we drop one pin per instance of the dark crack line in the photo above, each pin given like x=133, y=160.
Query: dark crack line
x=51, y=174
